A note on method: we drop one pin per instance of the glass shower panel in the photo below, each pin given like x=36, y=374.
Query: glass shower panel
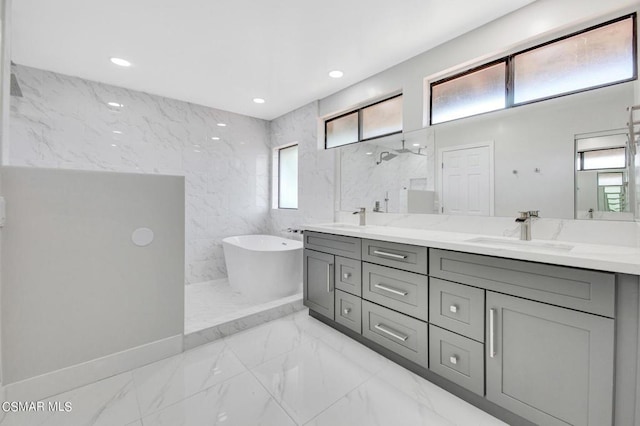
x=594, y=58
x=471, y=94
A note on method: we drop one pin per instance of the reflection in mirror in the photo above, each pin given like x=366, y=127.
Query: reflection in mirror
x=391, y=175
x=602, y=176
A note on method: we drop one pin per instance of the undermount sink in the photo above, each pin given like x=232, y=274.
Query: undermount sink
x=522, y=245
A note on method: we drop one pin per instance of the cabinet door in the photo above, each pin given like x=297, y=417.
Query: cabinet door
x=551, y=365
x=318, y=282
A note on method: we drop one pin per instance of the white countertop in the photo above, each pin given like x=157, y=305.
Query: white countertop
x=590, y=256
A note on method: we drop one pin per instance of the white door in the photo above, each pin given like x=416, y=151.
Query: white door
x=466, y=181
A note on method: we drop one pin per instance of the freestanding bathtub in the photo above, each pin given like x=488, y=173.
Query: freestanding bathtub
x=263, y=267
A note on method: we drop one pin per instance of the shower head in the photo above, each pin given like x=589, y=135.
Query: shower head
x=402, y=150
x=385, y=156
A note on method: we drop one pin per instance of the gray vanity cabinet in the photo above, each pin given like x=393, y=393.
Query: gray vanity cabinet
x=551, y=365
x=318, y=278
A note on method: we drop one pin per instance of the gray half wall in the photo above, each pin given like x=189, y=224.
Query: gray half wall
x=74, y=286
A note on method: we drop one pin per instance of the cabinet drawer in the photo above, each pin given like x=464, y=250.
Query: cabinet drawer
x=406, y=336
x=457, y=307
x=334, y=244
x=400, y=290
x=401, y=256
x=457, y=358
x=349, y=311
x=580, y=289
x=349, y=275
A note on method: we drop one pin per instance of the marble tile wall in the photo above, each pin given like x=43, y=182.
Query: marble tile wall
x=316, y=170
x=66, y=122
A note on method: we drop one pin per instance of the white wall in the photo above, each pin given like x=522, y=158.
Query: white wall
x=316, y=170
x=74, y=286
x=65, y=122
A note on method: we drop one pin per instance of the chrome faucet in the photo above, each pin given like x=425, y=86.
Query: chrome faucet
x=362, y=212
x=525, y=223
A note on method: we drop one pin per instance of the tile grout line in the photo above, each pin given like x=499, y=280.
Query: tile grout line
x=205, y=389
x=341, y=398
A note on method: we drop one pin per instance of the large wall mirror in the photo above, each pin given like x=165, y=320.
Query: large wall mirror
x=502, y=162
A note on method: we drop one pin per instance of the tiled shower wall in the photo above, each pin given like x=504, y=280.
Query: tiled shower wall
x=66, y=122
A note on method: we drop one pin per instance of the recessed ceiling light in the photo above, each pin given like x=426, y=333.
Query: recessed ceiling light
x=117, y=132
x=195, y=150
x=120, y=62
x=222, y=125
x=369, y=153
x=215, y=138
x=336, y=74
x=416, y=144
x=258, y=100
x=113, y=144
x=196, y=146
x=115, y=104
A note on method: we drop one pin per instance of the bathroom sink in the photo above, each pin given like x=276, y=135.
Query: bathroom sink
x=522, y=245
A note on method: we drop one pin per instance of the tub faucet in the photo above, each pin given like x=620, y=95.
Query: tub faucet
x=363, y=218
x=525, y=223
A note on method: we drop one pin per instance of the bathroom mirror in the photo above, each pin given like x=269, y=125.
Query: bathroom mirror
x=602, y=176
x=527, y=154
x=390, y=175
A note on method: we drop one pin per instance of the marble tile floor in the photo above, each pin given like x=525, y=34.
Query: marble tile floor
x=290, y=371
x=212, y=303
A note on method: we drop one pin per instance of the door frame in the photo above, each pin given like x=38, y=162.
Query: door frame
x=441, y=151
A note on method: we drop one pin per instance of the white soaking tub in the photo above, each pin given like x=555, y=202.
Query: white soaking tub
x=263, y=267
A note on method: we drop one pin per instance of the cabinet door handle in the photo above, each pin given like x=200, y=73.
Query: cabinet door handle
x=392, y=255
x=492, y=324
x=329, y=274
x=391, y=290
x=391, y=332
x=346, y=311
x=453, y=359
x=453, y=309
x=346, y=275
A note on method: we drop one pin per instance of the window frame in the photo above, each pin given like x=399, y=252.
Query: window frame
x=479, y=68
x=510, y=75
x=277, y=198
x=581, y=159
x=359, y=111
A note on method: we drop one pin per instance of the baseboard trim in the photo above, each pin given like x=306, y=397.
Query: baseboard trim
x=65, y=379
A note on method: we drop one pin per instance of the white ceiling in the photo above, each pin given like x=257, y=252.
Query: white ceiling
x=224, y=53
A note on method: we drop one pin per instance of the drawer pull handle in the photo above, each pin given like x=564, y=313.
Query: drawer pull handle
x=492, y=345
x=453, y=360
x=453, y=308
x=391, y=332
x=346, y=275
x=346, y=311
x=329, y=274
x=392, y=255
x=391, y=290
